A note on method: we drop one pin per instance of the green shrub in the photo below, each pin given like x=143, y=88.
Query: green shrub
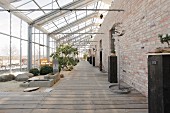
x=164, y=39
x=46, y=70
x=72, y=61
x=34, y=71
x=71, y=68
x=59, y=67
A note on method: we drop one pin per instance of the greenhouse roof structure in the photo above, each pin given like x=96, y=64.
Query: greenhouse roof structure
x=65, y=21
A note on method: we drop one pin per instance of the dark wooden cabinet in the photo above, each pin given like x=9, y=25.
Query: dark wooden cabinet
x=90, y=59
x=112, y=69
x=101, y=65
x=159, y=83
x=93, y=61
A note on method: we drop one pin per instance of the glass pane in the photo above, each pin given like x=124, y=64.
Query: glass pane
x=42, y=52
x=19, y=3
x=52, y=29
x=35, y=14
x=45, y=51
x=4, y=53
x=24, y=30
x=42, y=3
x=15, y=53
x=61, y=3
x=36, y=55
x=15, y=26
x=30, y=5
x=36, y=36
x=62, y=24
x=50, y=6
x=5, y=22
x=24, y=55
x=41, y=39
x=49, y=26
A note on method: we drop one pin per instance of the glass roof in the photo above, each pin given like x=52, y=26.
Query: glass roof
x=34, y=9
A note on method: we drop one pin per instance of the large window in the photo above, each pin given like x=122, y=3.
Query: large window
x=13, y=46
x=4, y=53
x=15, y=54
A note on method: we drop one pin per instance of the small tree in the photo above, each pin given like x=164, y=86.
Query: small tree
x=85, y=56
x=63, y=53
x=165, y=39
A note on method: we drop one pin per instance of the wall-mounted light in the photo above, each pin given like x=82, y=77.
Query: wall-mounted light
x=94, y=49
x=101, y=16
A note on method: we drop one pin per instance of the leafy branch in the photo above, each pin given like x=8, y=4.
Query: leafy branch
x=165, y=39
x=63, y=53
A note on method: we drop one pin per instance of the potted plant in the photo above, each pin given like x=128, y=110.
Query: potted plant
x=163, y=39
x=158, y=77
x=113, y=52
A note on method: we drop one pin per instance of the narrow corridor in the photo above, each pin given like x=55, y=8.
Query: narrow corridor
x=84, y=90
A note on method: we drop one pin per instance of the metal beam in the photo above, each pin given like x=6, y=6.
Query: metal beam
x=58, y=13
x=48, y=47
x=82, y=45
x=88, y=41
x=29, y=47
x=70, y=33
x=62, y=9
x=75, y=23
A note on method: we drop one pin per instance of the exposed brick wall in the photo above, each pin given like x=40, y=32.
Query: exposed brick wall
x=143, y=20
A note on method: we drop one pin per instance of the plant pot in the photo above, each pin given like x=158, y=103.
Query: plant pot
x=112, y=54
x=161, y=50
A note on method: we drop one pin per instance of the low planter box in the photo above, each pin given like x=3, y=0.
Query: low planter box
x=55, y=77
x=47, y=81
x=42, y=83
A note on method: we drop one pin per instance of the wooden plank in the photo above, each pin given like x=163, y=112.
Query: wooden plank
x=85, y=90
x=31, y=89
x=78, y=102
x=76, y=107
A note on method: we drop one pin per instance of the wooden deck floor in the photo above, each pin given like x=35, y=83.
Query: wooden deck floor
x=84, y=90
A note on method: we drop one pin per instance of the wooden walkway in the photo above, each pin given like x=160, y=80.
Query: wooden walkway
x=84, y=90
